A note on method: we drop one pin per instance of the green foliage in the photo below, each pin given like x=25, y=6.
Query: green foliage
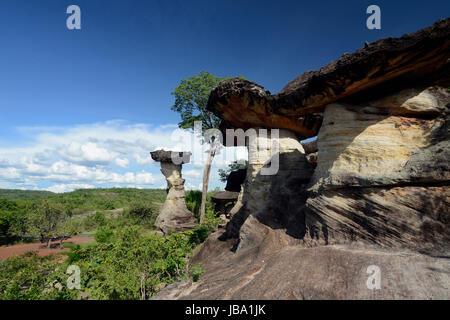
x=100, y=219
x=197, y=271
x=104, y=235
x=85, y=200
x=193, y=201
x=235, y=165
x=30, y=277
x=134, y=265
x=127, y=261
x=199, y=234
x=12, y=217
x=191, y=98
x=143, y=213
x=46, y=220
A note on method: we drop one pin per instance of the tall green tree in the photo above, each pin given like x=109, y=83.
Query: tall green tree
x=191, y=98
x=46, y=220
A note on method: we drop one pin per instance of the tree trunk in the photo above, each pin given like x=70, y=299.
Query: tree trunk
x=49, y=241
x=205, y=183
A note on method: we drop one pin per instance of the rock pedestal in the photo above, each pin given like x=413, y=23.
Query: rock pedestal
x=379, y=195
x=174, y=215
x=269, y=202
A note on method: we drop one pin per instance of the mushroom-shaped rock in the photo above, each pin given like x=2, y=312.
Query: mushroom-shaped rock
x=174, y=215
x=388, y=64
x=224, y=201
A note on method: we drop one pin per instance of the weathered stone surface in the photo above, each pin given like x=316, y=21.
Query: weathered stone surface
x=273, y=200
x=310, y=147
x=380, y=194
x=168, y=156
x=404, y=217
x=174, y=215
x=388, y=64
x=364, y=146
x=277, y=270
x=235, y=180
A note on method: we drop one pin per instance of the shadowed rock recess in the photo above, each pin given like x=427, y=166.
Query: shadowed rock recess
x=373, y=189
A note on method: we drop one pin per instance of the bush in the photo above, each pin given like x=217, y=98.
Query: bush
x=193, y=201
x=29, y=277
x=134, y=265
x=199, y=234
x=143, y=213
x=104, y=235
x=100, y=219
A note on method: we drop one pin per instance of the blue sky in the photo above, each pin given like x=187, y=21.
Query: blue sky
x=92, y=103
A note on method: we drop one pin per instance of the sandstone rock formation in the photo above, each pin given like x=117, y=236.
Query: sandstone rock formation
x=374, y=190
x=235, y=180
x=386, y=64
x=174, y=215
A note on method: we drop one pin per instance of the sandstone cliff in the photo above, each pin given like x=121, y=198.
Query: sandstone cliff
x=372, y=190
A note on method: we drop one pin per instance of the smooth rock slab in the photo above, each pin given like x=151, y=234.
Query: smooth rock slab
x=298, y=273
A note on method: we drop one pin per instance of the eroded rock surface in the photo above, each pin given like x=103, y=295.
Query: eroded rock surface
x=274, y=270
x=277, y=199
x=379, y=194
x=386, y=64
x=174, y=215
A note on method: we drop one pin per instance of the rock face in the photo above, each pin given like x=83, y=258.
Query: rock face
x=235, y=180
x=275, y=270
x=373, y=190
x=272, y=200
x=174, y=215
x=389, y=63
x=365, y=145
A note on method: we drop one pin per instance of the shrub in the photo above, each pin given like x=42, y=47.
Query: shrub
x=104, y=235
x=193, y=201
x=100, y=219
x=143, y=213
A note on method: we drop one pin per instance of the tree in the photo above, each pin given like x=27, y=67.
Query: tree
x=191, y=98
x=46, y=220
x=235, y=165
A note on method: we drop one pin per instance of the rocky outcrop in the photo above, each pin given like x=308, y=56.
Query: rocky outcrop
x=383, y=172
x=380, y=143
x=275, y=270
x=235, y=180
x=174, y=215
x=383, y=65
x=373, y=190
x=272, y=200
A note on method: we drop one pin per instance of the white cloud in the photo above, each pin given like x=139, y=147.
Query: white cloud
x=195, y=174
x=60, y=188
x=124, y=163
x=88, y=155
x=143, y=160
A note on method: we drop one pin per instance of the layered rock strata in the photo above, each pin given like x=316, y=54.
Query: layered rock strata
x=275, y=200
x=383, y=172
x=378, y=196
x=386, y=64
x=174, y=215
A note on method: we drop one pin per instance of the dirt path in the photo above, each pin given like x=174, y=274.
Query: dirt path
x=18, y=249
